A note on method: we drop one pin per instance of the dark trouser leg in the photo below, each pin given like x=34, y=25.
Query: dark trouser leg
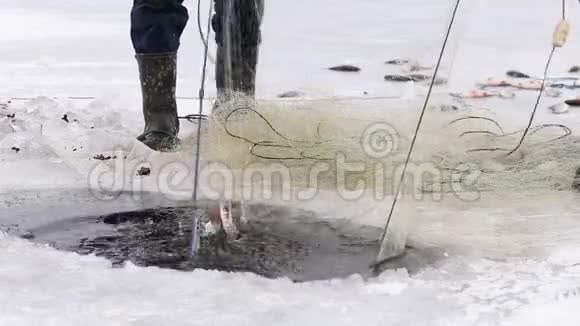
x=237, y=27
x=157, y=25
x=156, y=28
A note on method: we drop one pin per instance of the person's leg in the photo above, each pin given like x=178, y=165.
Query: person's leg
x=221, y=71
x=157, y=25
x=156, y=28
x=236, y=24
x=250, y=16
x=237, y=27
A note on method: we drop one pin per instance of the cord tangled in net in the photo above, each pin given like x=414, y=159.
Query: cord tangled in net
x=458, y=145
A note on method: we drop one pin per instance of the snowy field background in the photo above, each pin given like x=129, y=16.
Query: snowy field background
x=513, y=262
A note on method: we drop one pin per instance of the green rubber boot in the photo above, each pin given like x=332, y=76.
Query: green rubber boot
x=158, y=74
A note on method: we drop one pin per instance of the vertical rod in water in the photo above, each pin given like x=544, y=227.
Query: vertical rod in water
x=381, y=256
x=195, y=237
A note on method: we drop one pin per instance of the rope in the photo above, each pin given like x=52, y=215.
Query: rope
x=541, y=92
x=536, y=105
x=563, y=9
x=302, y=145
x=195, y=221
x=418, y=127
x=533, y=130
x=281, y=100
x=525, y=133
x=193, y=117
x=203, y=38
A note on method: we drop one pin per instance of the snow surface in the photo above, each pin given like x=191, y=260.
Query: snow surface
x=509, y=262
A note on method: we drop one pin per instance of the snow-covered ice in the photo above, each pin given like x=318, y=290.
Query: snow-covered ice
x=43, y=286
x=510, y=261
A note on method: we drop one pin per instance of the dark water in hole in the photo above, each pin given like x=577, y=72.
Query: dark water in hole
x=277, y=242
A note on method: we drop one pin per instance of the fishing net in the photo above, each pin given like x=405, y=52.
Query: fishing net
x=465, y=150
x=347, y=156
x=343, y=161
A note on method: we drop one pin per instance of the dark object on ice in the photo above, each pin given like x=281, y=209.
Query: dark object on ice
x=446, y=107
x=28, y=236
x=11, y=116
x=398, y=78
x=573, y=102
x=397, y=62
x=290, y=94
x=419, y=77
x=576, y=180
x=345, y=68
x=564, y=85
x=144, y=171
x=157, y=74
x=16, y=149
x=516, y=74
x=414, y=78
x=102, y=157
x=440, y=81
x=65, y=118
x=574, y=69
